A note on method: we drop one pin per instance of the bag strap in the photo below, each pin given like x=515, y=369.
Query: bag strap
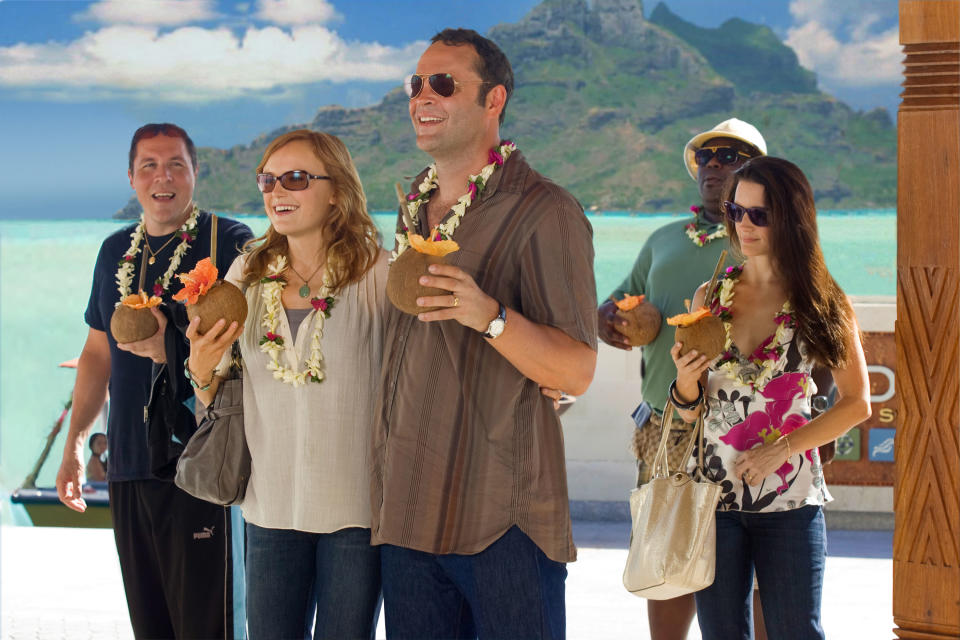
x=661, y=462
x=213, y=239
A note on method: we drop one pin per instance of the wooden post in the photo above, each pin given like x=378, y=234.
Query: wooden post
x=926, y=542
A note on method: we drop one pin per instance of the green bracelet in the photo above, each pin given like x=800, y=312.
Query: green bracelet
x=193, y=383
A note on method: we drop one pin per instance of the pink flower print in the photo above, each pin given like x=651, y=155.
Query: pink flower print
x=495, y=157
x=765, y=426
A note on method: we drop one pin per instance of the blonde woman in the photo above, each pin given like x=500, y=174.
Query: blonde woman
x=311, y=350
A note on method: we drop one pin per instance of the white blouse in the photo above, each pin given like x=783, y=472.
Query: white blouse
x=310, y=445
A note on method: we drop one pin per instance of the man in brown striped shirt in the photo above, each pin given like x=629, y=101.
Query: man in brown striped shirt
x=469, y=490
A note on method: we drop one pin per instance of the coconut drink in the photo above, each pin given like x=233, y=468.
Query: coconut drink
x=700, y=330
x=210, y=298
x=403, y=278
x=643, y=319
x=132, y=320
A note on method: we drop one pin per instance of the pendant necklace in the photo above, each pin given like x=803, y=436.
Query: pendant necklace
x=304, y=291
x=153, y=254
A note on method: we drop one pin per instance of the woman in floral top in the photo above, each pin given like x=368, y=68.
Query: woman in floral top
x=782, y=313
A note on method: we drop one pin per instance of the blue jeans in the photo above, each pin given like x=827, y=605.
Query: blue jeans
x=293, y=576
x=788, y=550
x=508, y=590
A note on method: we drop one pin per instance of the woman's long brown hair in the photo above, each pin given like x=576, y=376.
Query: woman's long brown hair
x=349, y=234
x=820, y=307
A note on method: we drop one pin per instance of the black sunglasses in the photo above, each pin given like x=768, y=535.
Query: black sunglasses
x=724, y=155
x=443, y=84
x=757, y=215
x=295, y=180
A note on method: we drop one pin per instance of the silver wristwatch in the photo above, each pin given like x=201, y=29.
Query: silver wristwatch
x=497, y=325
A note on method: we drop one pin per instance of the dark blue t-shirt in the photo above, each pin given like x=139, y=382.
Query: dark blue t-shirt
x=130, y=375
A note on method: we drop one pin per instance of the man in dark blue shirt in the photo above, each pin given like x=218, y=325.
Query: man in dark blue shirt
x=172, y=547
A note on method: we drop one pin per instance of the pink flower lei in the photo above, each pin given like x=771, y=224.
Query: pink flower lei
x=700, y=236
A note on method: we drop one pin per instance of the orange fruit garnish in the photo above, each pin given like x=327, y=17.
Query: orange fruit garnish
x=196, y=282
x=629, y=302
x=141, y=301
x=432, y=247
x=687, y=319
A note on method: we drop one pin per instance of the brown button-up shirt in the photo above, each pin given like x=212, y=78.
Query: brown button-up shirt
x=465, y=446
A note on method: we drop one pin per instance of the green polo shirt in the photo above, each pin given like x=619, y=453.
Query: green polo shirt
x=668, y=270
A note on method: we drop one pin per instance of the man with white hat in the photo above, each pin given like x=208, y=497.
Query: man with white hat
x=676, y=259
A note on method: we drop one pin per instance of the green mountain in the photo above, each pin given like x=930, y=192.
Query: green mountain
x=604, y=102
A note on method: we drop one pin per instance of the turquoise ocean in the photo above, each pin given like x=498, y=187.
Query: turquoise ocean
x=46, y=267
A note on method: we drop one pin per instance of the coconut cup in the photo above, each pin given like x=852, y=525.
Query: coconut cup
x=643, y=323
x=222, y=300
x=132, y=325
x=705, y=335
x=403, y=281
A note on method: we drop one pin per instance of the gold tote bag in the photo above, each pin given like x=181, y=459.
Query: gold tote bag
x=674, y=531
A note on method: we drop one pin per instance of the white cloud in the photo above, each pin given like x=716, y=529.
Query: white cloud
x=295, y=12
x=194, y=64
x=849, y=47
x=166, y=13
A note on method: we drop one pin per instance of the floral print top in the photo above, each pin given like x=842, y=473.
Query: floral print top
x=741, y=416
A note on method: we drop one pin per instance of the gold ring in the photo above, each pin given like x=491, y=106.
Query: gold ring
x=456, y=301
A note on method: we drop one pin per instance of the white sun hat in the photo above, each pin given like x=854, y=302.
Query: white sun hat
x=732, y=128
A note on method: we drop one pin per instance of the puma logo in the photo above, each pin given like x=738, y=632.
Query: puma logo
x=203, y=535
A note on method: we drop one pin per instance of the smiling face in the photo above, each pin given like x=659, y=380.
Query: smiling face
x=163, y=179
x=753, y=240
x=448, y=127
x=298, y=213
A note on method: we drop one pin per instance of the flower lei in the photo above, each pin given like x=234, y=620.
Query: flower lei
x=272, y=343
x=767, y=354
x=699, y=236
x=475, y=184
x=127, y=266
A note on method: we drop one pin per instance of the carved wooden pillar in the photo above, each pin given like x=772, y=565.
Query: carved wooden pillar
x=926, y=542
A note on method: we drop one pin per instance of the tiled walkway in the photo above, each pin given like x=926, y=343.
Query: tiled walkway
x=65, y=583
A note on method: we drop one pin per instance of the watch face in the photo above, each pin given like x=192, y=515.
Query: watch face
x=496, y=327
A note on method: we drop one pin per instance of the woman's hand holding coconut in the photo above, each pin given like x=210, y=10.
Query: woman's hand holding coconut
x=206, y=351
x=152, y=347
x=466, y=303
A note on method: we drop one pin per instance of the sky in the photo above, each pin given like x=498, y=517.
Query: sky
x=78, y=77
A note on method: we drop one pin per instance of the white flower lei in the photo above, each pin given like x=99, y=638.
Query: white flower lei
x=700, y=238
x=272, y=343
x=475, y=185
x=127, y=264
x=765, y=363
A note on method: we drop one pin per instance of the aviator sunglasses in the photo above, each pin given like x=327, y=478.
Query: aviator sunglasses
x=724, y=155
x=295, y=180
x=757, y=215
x=443, y=84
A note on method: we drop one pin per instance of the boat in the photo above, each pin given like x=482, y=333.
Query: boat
x=43, y=505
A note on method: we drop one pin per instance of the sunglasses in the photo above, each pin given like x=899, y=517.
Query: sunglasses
x=757, y=215
x=296, y=180
x=724, y=155
x=443, y=84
